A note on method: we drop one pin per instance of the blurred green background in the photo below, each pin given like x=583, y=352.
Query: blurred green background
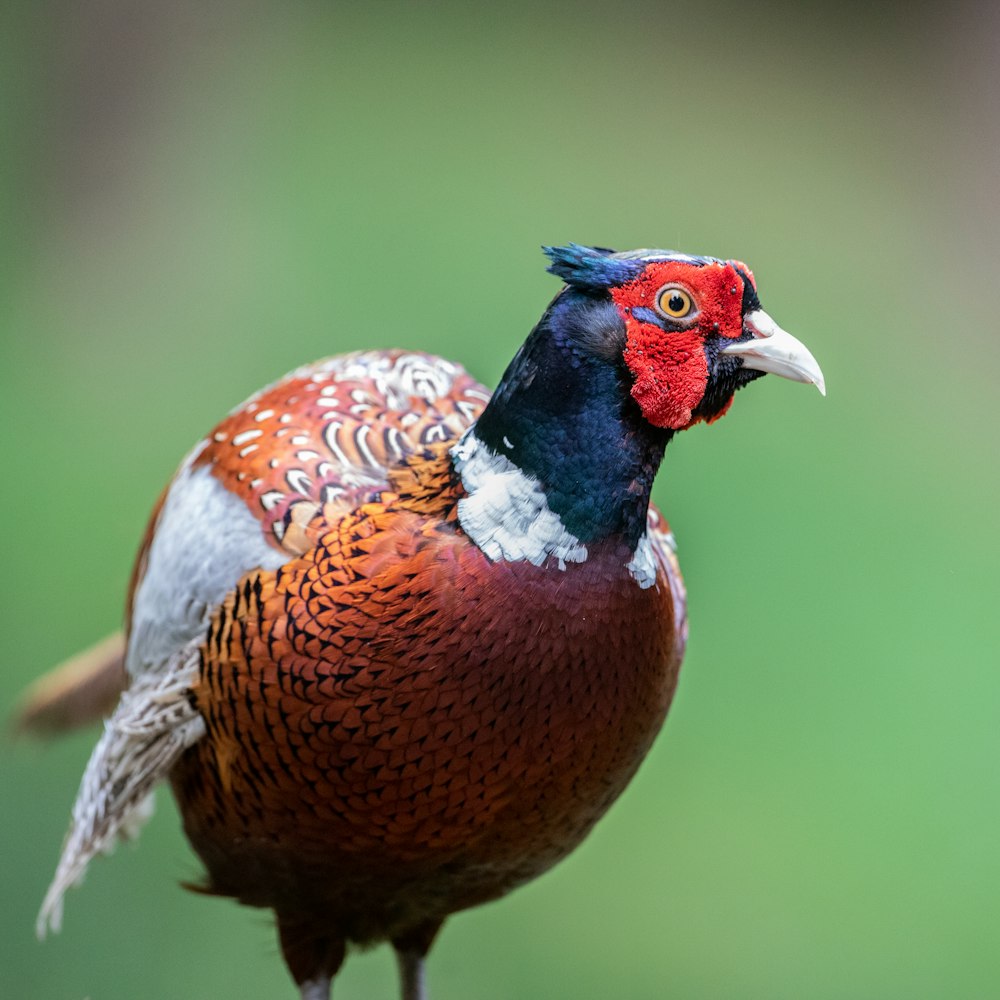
x=195, y=201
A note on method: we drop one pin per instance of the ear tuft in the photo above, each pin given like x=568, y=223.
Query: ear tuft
x=591, y=268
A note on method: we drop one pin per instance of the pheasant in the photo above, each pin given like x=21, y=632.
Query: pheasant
x=398, y=643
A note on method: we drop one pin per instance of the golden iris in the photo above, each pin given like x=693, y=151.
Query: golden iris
x=674, y=302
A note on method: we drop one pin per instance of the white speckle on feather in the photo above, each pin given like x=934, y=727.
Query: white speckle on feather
x=245, y=436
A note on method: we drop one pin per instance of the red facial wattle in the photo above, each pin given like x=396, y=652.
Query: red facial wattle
x=670, y=374
x=670, y=367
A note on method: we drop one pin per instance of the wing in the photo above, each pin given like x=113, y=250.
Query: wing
x=324, y=438
x=326, y=434
x=153, y=724
x=301, y=453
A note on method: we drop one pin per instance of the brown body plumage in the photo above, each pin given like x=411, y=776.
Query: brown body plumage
x=382, y=750
x=397, y=650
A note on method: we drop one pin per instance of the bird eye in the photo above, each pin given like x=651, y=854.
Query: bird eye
x=674, y=302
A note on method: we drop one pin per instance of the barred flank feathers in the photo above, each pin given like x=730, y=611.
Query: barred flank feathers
x=152, y=726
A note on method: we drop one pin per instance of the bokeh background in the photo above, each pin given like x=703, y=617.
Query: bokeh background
x=196, y=198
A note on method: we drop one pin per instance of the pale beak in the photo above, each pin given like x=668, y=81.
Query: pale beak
x=773, y=350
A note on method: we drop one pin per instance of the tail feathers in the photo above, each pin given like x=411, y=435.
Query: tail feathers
x=155, y=722
x=79, y=691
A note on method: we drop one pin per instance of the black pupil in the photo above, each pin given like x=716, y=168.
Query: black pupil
x=675, y=303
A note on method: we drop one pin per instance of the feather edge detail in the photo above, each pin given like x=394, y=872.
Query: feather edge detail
x=154, y=723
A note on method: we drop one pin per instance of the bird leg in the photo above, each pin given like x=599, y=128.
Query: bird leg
x=411, y=975
x=313, y=954
x=316, y=989
x=411, y=952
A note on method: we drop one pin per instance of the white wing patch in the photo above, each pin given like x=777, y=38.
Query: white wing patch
x=205, y=540
x=152, y=726
x=506, y=513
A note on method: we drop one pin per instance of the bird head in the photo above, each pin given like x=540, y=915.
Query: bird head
x=694, y=329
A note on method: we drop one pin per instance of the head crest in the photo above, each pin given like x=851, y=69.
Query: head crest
x=594, y=268
x=597, y=268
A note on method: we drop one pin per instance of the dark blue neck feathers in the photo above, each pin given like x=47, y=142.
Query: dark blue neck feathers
x=563, y=413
